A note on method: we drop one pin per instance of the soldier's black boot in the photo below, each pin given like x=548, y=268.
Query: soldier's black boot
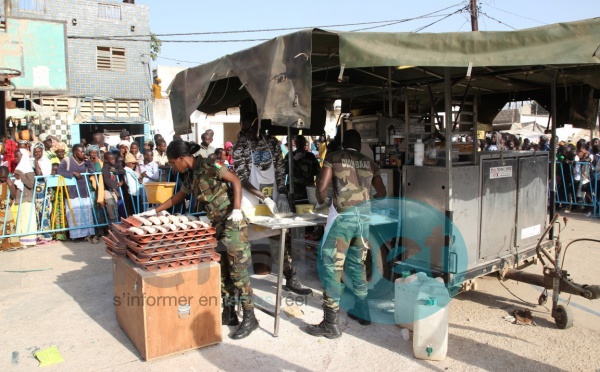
x=229, y=316
x=292, y=283
x=360, y=312
x=249, y=324
x=329, y=327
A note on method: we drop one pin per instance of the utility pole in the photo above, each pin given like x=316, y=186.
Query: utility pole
x=474, y=15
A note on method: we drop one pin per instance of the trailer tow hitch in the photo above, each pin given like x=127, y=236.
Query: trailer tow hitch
x=555, y=278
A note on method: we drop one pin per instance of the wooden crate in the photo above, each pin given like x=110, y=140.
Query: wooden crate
x=152, y=307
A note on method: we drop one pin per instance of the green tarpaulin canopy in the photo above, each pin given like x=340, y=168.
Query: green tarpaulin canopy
x=292, y=78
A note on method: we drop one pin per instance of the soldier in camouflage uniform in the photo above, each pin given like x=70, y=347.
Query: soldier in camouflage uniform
x=353, y=175
x=256, y=152
x=305, y=168
x=210, y=183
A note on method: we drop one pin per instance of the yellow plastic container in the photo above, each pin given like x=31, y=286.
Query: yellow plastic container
x=159, y=192
x=304, y=208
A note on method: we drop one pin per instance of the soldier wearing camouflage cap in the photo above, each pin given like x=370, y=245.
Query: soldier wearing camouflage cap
x=354, y=176
x=210, y=183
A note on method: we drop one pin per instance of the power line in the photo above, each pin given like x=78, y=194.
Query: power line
x=427, y=15
x=497, y=20
x=397, y=22
x=163, y=41
x=441, y=19
x=517, y=15
x=136, y=37
x=178, y=60
x=263, y=30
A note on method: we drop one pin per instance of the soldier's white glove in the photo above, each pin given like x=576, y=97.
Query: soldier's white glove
x=271, y=204
x=236, y=215
x=18, y=184
x=148, y=213
x=323, y=208
x=282, y=204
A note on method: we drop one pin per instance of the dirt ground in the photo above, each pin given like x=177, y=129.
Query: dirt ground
x=61, y=295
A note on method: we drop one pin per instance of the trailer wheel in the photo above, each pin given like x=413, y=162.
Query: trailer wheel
x=563, y=317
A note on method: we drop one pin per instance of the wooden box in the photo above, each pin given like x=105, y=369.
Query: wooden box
x=168, y=311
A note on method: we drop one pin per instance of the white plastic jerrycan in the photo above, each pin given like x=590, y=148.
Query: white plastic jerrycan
x=406, y=294
x=430, y=337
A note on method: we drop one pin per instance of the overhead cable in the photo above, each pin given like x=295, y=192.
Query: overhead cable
x=497, y=20
x=515, y=14
x=441, y=19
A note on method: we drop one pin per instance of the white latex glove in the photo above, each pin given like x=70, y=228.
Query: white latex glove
x=282, y=204
x=323, y=208
x=271, y=204
x=148, y=213
x=18, y=184
x=236, y=215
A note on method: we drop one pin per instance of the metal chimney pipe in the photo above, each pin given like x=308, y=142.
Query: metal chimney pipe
x=7, y=7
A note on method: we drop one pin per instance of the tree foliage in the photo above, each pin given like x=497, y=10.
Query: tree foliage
x=155, y=45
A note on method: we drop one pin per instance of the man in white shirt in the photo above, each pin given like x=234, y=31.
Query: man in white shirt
x=149, y=168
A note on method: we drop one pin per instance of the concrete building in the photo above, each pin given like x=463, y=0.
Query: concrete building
x=109, y=73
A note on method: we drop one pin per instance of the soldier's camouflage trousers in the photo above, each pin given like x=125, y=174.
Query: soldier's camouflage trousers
x=345, y=244
x=235, y=262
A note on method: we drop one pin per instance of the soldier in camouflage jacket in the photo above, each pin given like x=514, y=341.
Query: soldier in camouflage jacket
x=354, y=176
x=219, y=191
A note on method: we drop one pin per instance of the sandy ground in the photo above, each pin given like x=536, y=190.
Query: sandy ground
x=67, y=302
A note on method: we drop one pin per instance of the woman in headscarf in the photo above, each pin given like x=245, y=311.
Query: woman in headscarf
x=58, y=218
x=43, y=167
x=24, y=182
x=79, y=207
x=59, y=149
x=229, y=151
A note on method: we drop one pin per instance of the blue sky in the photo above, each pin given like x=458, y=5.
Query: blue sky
x=179, y=16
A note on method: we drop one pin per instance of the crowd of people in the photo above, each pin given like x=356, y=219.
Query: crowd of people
x=101, y=183
x=108, y=182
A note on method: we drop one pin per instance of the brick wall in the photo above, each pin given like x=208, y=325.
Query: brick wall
x=84, y=78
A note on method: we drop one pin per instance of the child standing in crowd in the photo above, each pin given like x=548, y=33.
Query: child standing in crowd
x=149, y=168
x=134, y=149
x=132, y=178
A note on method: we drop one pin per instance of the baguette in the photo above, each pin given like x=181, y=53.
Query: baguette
x=148, y=229
x=155, y=220
x=136, y=231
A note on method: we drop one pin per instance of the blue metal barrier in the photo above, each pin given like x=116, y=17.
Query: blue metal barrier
x=572, y=192
x=50, y=184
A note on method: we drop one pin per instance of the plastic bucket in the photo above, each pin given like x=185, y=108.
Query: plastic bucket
x=159, y=192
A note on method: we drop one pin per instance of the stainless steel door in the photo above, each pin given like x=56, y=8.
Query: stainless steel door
x=498, y=207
